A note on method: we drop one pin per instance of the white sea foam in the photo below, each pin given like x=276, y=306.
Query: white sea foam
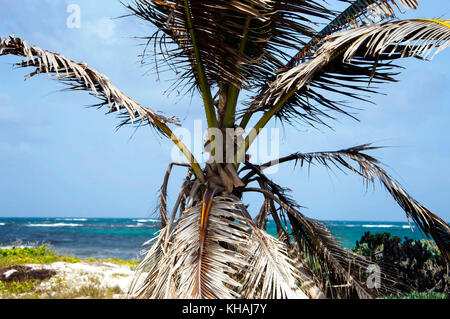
x=54, y=225
x=2, y=224
x=137, y=225
x=147, y=220
x=379, y=226
x=75, y=219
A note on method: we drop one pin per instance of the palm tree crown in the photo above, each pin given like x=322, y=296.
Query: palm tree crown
x=209, y=246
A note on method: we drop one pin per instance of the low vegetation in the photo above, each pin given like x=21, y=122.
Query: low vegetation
x=52, y=287
x=28, y=255
x=417, y=264
x=419, y=295
x=418, y=261
x=43, y=255
x=57, y=289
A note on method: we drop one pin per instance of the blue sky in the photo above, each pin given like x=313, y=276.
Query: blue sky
x=60, y=159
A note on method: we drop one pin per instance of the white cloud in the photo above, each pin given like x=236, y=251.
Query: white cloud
x=103, y=28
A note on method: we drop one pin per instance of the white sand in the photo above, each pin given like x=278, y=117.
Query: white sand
x=77, y=275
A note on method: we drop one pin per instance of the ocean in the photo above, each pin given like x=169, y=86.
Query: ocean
x=123, y=238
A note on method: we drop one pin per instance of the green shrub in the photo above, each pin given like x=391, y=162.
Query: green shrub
x=27, y=255
x=417, y=265
x=418, y=295
x=11, y=288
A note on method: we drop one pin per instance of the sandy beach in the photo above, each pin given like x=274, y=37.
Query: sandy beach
x=82, y=280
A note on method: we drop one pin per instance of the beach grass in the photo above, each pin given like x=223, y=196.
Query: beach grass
x=57, y=289
x=29, y=255
x=44, y=255
x=92, y=286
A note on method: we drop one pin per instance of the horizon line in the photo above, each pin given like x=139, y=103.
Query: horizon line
x=325, y=220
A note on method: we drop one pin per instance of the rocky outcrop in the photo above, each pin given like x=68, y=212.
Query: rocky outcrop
x=24, y=273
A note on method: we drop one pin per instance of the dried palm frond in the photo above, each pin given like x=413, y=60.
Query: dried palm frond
x=236, y=42
x=273, y=273
x=269, y=271
x=359, y=13
x=163, y=193
x=79, y=76
x=217, y=252
x=369, y=168
x=346, y=268
x=152, y=267
x=346, y=57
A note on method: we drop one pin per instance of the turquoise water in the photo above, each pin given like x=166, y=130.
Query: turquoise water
x=351, y=231
x=123, y=238
x=348, y=232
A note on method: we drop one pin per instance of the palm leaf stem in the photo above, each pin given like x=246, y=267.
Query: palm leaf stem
x=245, y=119
x=259, y=126
x=163, y=193
x=206, y=208
x=280, y=229
x=203, y=83
x=183, y=148
x=233, y=92
x=172, y=215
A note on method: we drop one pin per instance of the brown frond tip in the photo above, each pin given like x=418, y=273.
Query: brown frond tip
x=79, y=76
x=359, y=13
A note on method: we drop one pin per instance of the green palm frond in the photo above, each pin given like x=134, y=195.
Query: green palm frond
x=389, y=41
x=359, y=13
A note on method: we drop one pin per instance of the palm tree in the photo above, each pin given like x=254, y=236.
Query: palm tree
x=209, y=246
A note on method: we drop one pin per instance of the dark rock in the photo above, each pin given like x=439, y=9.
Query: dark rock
x=24, y=273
